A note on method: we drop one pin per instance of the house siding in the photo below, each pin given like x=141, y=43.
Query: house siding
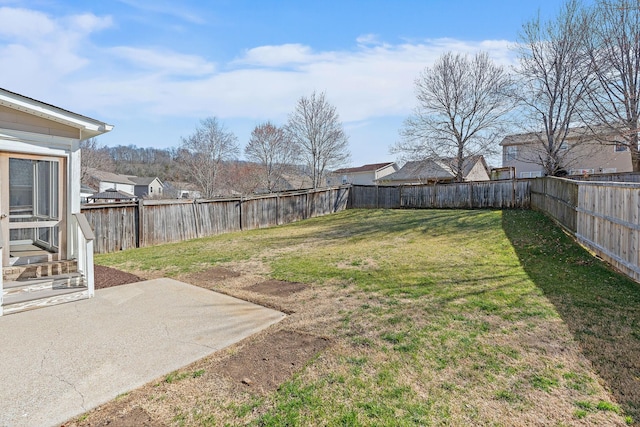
x=588, y=156
x=20, y=121
x=478, y=173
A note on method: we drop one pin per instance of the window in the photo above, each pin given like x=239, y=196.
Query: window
x=621, y=147
x=581, y=171
x=533, y=174
x=510, y=152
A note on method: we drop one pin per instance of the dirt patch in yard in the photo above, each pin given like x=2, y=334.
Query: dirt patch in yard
x=266, y=364
x=105, y=277
x=277, y=288
x=136, y=417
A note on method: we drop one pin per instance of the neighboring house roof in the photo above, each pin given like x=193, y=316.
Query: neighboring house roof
x=143, y=180
x=366, y=168
x=121, y=179
x=112, y=194
x=291, y=181
x=433, y=169
x=86, y=189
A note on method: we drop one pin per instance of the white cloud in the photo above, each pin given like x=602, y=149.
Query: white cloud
x=171, y=8
x=277, y=56
x=55, y=59
x=42, y=50
x=88, y=22
x=164, y=62
x=265, y=82
x=367, y=39
x=24, y=24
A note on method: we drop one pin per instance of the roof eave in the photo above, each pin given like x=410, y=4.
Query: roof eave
x=89, y=127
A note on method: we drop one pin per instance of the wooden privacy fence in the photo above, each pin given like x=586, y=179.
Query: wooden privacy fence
x=120, y=226
x=604, y=216
x=466, y=195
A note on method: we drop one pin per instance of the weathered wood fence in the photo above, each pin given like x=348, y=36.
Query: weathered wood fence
x=466, y=195
x=603, y=216
x=120, y=226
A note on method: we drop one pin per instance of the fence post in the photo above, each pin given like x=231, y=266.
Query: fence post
x=140, y=211
x=196, y=218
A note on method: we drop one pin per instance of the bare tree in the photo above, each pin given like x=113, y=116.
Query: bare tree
x=615, y=54
x=315, y=129
x=94, y=155
x=203, y=152
x=555, y=82
x=462, y=104
x=239, y=177
x=270, y=147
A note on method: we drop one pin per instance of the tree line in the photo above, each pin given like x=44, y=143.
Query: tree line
x=579, y=69
x=310, y=144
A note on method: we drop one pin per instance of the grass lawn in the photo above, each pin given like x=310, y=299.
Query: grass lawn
x=436, y=317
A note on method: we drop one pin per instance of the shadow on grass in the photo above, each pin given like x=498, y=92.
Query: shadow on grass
x=362, y=224
x=601, y=307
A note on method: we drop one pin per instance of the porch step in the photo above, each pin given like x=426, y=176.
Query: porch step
x=45, y=269
x=33, y=286
x=44, y=298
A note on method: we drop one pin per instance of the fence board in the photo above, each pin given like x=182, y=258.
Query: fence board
x=607, y=223
x=558, y=198
x=115, y=226
x=466, y=195
x=151, y=222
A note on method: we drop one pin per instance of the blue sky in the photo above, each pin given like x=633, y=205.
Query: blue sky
x=154, y=68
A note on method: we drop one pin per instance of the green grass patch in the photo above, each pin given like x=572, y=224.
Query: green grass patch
x=176, y=376
x=436, y=310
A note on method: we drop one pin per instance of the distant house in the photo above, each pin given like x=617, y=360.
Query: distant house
x=363, y=175
x=111, y=195
x=581, y=153
x=127, y=184
x=85, y=192
x=437, y=171
x=181, y=190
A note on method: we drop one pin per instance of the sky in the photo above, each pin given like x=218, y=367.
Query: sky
x=155, y=68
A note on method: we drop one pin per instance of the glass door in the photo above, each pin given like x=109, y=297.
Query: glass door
x=33, y=207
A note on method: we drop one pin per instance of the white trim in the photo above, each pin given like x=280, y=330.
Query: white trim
x=49, y=141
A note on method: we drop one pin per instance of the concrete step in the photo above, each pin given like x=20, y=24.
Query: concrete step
x=61, y=281
x=32, y=271
x=44, y=298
